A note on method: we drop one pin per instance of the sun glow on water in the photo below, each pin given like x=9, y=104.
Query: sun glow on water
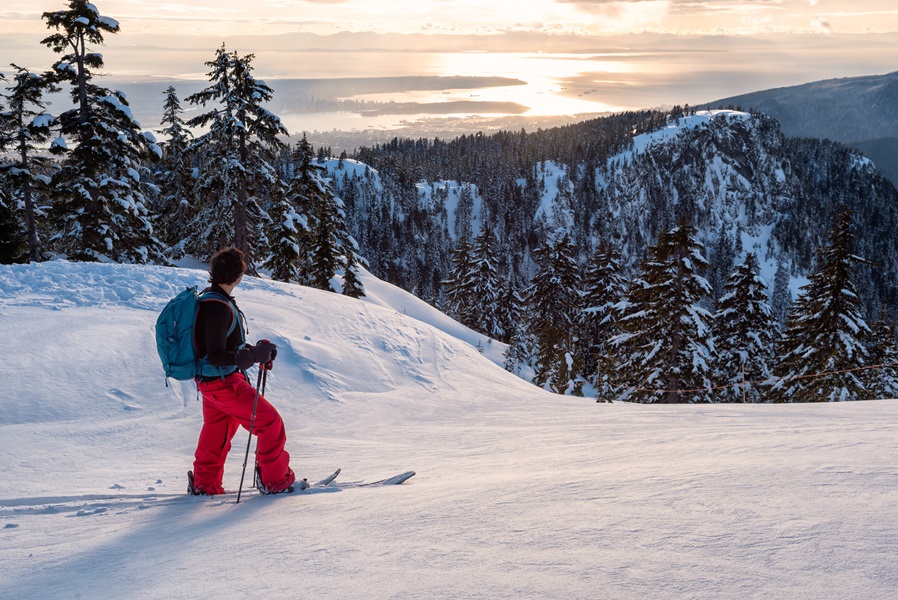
x=553, y=84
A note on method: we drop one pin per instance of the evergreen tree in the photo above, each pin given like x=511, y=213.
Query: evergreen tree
x=781, y=301
x=24, y=128
x=825, y=331
x=555, y=301
x=485, y=290
x=235, y=155
x=665, y=351
x=100, y=209
x=325, y=257
x=746, y=332
x=519, y=351
x=324, y=243
x=721, y=261
x=882, y=381
x=464, y=212
x=459, y=286
x=352, y=285
x=12, y=238
x=174, y=176
x=509, y=311
x=604, y=288
x=289, y=251
x=286, y=232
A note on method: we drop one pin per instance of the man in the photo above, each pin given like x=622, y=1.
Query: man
x=228, y=396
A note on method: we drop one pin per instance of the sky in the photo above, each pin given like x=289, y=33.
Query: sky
x=573, y=56
x=233, y=17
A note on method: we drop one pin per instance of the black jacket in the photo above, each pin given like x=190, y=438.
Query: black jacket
x=212, y=323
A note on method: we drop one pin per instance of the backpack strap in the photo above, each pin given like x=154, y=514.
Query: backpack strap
x=236, y=314
x=236, y=320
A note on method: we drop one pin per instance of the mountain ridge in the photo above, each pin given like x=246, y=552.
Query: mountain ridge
x=861, y=112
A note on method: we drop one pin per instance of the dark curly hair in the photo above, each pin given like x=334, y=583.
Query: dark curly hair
x=226, y=266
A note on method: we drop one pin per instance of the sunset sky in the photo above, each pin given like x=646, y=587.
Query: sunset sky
x=575, y=56
x=233, y=17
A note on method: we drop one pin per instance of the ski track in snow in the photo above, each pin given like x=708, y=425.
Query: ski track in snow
x=519, y=494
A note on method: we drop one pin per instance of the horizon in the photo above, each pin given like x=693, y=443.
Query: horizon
x=570, y=58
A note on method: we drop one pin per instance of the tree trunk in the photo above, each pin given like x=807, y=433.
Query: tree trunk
x=241, y=214
x=33, y=250
x=80, y=50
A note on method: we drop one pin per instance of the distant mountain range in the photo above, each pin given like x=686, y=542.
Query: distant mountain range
x=861, y=112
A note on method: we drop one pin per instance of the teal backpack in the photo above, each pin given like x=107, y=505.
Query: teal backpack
x=175, y=340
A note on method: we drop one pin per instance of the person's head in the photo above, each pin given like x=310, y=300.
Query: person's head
x=227, y=266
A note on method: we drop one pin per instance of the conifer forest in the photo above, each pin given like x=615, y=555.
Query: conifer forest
x=653, y=256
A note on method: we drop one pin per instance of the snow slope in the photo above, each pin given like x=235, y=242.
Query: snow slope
x=519, y=493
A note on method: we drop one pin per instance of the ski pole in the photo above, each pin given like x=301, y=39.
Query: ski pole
x=266, y=367
x=252, y=421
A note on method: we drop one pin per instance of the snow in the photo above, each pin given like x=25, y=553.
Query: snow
x=108, y=22
x=553, y=208
x=43, y=120
x=453, y=190
x=673, y=129
x=116, y=103
x=519, y=493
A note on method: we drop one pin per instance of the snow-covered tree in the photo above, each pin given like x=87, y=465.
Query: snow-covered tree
x=555, y=317
x=665, y=350
x=882, y=379
x=781, y=299
x=324, y=242
x=459, y=286
x=24, y=128
x=174, y=176
x=510, y=310
x=745, y=332
x=604, y=287
x=325, y=258
x=825, y=332
x=289, y=232
x=99, y=209
x=285, y=234
x=721, y=261
x=235, y=155
x=485, y=290
x=352, y=285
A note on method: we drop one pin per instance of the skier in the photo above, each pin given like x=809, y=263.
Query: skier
x=228, y=398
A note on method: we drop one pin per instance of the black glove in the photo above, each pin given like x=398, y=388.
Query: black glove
x=263, y=352
x=274, y=352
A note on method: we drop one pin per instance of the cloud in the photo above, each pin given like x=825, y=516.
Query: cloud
x=628, y=15
x=822, y=25
x=699, y=4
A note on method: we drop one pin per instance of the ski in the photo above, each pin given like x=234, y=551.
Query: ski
x=300, y=485
x=152, y=498
x=394, y=480
x=304, y=484
x=328, y=479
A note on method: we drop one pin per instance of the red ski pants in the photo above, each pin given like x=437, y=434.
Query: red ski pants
x=228, y=404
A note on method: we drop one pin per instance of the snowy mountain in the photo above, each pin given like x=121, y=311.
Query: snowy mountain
x=519, y=493
x=744, y=184
x=857, y=111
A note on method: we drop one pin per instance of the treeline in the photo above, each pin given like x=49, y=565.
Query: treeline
x=659, y=338
x=88, y=184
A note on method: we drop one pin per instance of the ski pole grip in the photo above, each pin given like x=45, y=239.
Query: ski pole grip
x=267, y=366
